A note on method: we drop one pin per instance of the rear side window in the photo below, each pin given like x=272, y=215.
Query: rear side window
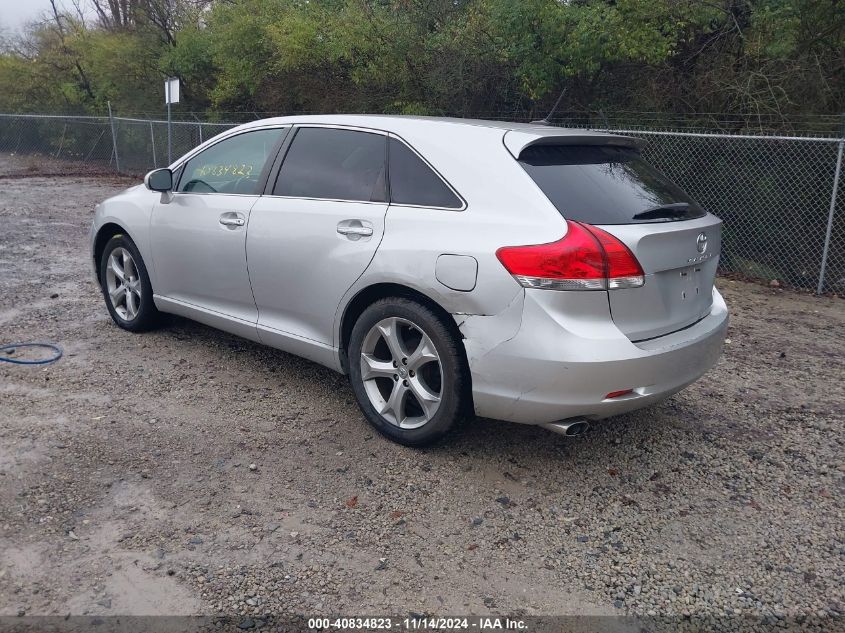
x=413, y=182
x=606, y=185
x=334, y=164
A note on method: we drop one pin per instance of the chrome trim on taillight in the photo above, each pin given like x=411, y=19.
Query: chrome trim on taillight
x=544, y=283
x=634, y=281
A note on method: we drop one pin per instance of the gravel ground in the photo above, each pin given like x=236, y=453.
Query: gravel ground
x=188, y=471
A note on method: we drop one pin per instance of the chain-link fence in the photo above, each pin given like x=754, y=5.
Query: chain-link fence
x=142, y=144
x=776, y=196
x=82, y=139
x=122, y=145
x=783, y=213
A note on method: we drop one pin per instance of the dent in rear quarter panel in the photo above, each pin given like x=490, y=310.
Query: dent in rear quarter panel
x=556, y=333
x=131, y=209
x=483, y=334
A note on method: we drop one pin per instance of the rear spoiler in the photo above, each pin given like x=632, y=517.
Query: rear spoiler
x=518, y=140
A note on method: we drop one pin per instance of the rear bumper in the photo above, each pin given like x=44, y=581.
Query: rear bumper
x=561, y=361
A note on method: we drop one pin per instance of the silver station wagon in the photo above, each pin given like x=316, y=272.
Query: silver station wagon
x=449, y=267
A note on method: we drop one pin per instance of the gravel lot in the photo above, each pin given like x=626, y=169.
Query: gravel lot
x=188, y=471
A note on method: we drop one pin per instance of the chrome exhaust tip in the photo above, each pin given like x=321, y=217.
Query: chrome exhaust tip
x=569, y=428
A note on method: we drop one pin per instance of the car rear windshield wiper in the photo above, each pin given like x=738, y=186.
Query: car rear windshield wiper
x=664, y=212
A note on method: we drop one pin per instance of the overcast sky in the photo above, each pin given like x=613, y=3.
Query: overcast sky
x=16, y=13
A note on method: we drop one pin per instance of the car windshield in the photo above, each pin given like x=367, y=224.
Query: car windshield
x=606, y=185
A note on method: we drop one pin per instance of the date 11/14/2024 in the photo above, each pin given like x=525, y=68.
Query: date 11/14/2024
x=479, y=623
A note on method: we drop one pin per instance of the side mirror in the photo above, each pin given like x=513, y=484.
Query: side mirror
x=159, y=180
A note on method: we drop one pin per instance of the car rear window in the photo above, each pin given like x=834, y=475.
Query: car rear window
x=606, y=185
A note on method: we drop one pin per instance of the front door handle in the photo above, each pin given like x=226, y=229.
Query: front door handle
x=354, y=229
x=231, y=220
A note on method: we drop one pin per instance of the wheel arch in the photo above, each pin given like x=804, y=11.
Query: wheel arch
x=369, y=295
x=104, y=234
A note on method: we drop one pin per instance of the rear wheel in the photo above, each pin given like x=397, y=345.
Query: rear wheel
x=126, y=286
x=407, y=371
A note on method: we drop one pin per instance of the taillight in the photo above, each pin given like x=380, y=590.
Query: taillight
x=586, y=258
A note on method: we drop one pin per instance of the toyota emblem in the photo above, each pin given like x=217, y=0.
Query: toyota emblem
x=701, y=242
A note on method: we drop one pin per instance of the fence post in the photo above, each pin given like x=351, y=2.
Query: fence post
x=833, y=195
x=113, y=139
x=199, y=127
x=169, y=130
x=153, y=145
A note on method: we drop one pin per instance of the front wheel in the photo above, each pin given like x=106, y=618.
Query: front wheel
x=126, y=286
x=407, y=371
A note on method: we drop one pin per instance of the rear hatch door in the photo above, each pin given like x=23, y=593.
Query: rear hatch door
x=675, y=240
x=678, y=289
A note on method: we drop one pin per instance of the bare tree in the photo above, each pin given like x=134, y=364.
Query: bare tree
x=59, y=19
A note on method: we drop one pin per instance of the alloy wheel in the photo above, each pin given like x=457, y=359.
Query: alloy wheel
x=123, y=284
x=401, y=372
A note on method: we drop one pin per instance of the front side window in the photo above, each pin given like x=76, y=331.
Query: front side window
x=334, y=164
x=232, y=165
x=413, y=182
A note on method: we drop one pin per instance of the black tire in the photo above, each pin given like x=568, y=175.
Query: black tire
x=453, y=372
x=147, y=316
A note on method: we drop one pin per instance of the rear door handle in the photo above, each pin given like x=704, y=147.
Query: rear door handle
x=363, y=231
x=354, y=229
x=231, y=219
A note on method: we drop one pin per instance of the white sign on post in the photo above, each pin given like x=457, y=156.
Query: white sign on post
x=171, y=95
x=171, y=90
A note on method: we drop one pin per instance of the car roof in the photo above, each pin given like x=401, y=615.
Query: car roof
x=517, y=136
x=388, y=122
